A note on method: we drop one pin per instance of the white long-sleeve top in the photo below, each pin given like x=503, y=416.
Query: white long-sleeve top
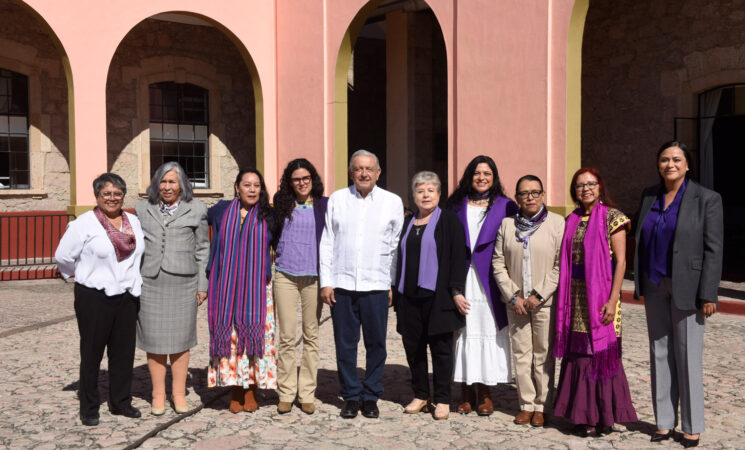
x=359, y=243
x=86, y=252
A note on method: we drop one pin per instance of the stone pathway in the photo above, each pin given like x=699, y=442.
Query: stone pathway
x=39, y=409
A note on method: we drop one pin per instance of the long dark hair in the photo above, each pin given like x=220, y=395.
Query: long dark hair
x=464, y=186
x=603, y=195
x=284, y=199
x=265, y=210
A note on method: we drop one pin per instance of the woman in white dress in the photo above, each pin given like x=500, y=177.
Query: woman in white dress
x=482, y=348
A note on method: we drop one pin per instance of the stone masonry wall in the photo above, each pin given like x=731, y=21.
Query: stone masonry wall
x=24, y=42
x=643, y=64
x=155, y=46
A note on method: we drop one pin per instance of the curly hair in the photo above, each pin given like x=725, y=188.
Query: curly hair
x=265, y=211
x=603, y=195
x=284, y=199
x=464, y=186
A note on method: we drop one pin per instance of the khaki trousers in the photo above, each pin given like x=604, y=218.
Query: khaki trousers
x=288, y=289
x=531, y=337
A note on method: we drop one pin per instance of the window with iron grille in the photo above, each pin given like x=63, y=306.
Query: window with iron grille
x=14, y=157
x=179, y=129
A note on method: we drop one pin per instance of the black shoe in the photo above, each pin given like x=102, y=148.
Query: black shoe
x=129, y=411
x=659, y=437
x=601, y=430
x=370, y=409
x=580, y=430
x=688, y=443
x=349, y=411
x=89, y=421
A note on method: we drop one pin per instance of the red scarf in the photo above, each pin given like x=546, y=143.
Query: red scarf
x=124, y=241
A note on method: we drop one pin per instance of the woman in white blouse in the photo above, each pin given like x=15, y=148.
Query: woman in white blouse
x=102, y=249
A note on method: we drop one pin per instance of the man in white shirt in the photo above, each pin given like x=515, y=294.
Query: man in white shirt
x=357, y=266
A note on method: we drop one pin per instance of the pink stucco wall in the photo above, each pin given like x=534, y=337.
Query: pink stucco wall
x=506, y=77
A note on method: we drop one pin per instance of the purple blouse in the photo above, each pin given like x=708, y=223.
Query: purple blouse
x=297, y=251
x=657, y=235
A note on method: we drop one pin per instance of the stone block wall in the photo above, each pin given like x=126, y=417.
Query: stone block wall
x=643, y=64
x=155, y=51
x=27, y=48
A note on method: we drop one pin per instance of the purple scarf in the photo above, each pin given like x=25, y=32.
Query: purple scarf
x=606, y=352
x=124, y=241
x=237, y=283
x=428, y=266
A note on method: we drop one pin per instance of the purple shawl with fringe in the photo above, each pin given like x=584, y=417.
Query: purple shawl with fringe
x=606, y=351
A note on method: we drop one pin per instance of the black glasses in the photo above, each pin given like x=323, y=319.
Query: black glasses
x=531, y=194
x=301, y=180
x=589, y=185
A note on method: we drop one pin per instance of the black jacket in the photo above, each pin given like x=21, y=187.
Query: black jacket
x=451, y=273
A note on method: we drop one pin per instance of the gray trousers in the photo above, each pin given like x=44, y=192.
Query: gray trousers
x=676, y=348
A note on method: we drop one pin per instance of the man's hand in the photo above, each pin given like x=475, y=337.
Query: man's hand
x=327, y=295
x=390, y=297
x=201, y=297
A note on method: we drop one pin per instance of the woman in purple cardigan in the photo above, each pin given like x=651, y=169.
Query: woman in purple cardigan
x=299, y=210
x=482, y=347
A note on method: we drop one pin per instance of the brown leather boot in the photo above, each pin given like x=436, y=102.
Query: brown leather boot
x=466, y=398
x=249, y=399
x=236, y=399
x=485, y=406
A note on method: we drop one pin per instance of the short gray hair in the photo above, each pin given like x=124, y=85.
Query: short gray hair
x=362, y=152
x=153, y=191
x=425, y=176
x=108, y=177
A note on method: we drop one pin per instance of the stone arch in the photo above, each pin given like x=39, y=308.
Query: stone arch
x=203, y=68
x=43, y=60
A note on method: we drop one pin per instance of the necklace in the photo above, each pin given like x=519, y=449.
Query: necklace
x=479, y=201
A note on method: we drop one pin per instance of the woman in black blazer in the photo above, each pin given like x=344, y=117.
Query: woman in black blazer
x=429, y=302
x=677, y=268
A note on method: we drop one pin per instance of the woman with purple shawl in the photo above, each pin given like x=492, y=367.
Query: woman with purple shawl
x=431, y=275
x=240, y=307
x=482, y=347
x=593, y=391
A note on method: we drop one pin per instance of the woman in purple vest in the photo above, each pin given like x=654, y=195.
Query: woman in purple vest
x=593, y=391
x=482, y=347
x=299, y=211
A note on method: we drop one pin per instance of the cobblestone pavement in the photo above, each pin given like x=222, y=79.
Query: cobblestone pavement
x=39, y=373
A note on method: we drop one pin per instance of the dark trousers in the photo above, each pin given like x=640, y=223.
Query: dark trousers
x=352, y=309
x=414, y=315
x=105, y=322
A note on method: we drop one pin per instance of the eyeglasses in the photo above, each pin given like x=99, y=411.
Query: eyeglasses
x=301, y=180
x=531, y=194
x=109, y=194
x=589, y=185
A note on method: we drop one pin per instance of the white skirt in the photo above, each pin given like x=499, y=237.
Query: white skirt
x=481, y=352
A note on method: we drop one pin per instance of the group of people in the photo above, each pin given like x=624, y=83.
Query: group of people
x=496, y=289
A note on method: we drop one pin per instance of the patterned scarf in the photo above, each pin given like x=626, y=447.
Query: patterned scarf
x=606, y=351
x=237, y=288
x=124, y=241
x=526, y=226
x=169, y=209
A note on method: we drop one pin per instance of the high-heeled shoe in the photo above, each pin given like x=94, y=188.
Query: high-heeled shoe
x=423, y=407
x=688, y=443
x=442, y=411
x=157, y=411
x=659, y=437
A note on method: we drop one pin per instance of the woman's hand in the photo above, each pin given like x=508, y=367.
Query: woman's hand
x=201, y=297
x=462, y=304
x=609, y=312
x=708, y=308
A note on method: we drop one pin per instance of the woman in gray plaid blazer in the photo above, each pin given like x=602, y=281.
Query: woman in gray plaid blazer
x=174, y=280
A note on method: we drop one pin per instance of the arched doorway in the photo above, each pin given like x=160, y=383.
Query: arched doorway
x=395, y=81
x=180, y=89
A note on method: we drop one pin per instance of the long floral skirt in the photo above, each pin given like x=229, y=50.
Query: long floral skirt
x=244, y=370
